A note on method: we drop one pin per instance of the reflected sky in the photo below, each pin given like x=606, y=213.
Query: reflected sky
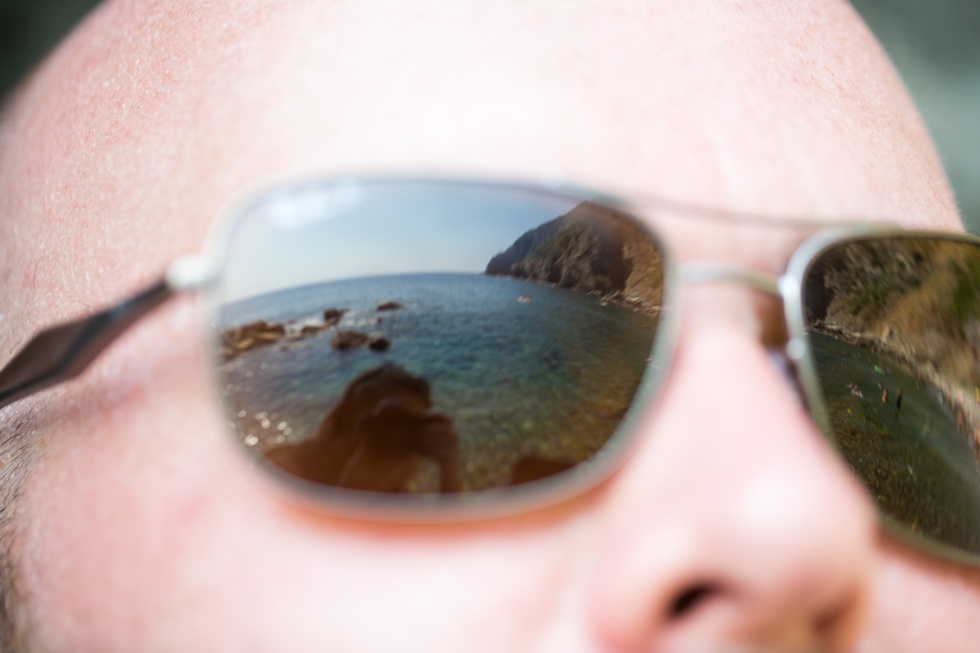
x=325, y=232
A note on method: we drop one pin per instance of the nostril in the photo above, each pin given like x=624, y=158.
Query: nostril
x=687, y=600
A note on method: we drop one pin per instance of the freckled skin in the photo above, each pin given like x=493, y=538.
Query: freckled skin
x=151, y=115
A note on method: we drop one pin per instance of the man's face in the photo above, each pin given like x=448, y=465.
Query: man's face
x=733, y=523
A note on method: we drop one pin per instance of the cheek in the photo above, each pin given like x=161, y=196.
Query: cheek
x=142, y=529
x=114, y=512
x=920, y=604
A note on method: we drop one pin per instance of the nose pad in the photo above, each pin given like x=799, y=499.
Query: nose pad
x=734, y=524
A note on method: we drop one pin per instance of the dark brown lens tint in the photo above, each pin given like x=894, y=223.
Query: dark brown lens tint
x=431, y=338
x=894, y=324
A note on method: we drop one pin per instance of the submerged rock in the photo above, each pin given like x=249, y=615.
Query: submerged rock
x=342, y=340
x=378, y=342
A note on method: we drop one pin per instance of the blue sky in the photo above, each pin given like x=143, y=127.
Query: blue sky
x=326, y=232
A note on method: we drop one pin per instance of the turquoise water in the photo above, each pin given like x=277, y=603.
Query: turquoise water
x=548, y=378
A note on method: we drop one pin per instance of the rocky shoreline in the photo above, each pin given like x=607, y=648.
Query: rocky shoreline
x=914, y=300
x=260, y=333
x=961, y=401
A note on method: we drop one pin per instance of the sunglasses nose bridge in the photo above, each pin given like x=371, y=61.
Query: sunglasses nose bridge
x=774, y=330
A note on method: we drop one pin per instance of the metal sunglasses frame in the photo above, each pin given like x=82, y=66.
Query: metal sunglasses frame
x=60, y=353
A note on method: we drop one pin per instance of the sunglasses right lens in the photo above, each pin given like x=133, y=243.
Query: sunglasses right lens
x=894, y=327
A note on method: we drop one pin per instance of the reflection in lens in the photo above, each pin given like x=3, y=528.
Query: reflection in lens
x=895, y=329
x=434, y=338
x=376, y=437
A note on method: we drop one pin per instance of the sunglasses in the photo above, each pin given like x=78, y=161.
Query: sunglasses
x=447, y=349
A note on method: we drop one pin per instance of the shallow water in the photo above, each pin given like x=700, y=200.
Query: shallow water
x=522, y=369
x=915, y=458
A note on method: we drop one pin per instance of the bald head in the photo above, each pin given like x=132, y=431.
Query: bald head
x=122, y=147
x=635, y=94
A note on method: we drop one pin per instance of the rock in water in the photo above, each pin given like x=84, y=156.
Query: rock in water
x=348, y=339
x=332, y=316
x=378, y=342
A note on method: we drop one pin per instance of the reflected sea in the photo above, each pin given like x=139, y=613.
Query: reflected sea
x=914, y=455
x=522, y=368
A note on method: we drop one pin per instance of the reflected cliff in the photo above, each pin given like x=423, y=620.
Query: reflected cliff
x=590, y=249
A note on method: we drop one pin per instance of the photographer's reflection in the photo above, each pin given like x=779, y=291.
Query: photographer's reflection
x=377, y=437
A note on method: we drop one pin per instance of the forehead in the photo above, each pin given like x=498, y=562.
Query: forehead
x=125, y=144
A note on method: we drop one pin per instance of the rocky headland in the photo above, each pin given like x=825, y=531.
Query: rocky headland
x=916, y=299
x=590, y=249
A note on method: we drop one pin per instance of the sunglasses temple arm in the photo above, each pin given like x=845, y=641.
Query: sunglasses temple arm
x=63, y=352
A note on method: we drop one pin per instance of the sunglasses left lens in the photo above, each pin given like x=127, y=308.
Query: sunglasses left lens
x=431, y=339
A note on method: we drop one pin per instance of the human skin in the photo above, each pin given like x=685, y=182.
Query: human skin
x=139, y=527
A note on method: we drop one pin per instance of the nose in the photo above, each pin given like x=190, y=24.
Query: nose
x=734, y=525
